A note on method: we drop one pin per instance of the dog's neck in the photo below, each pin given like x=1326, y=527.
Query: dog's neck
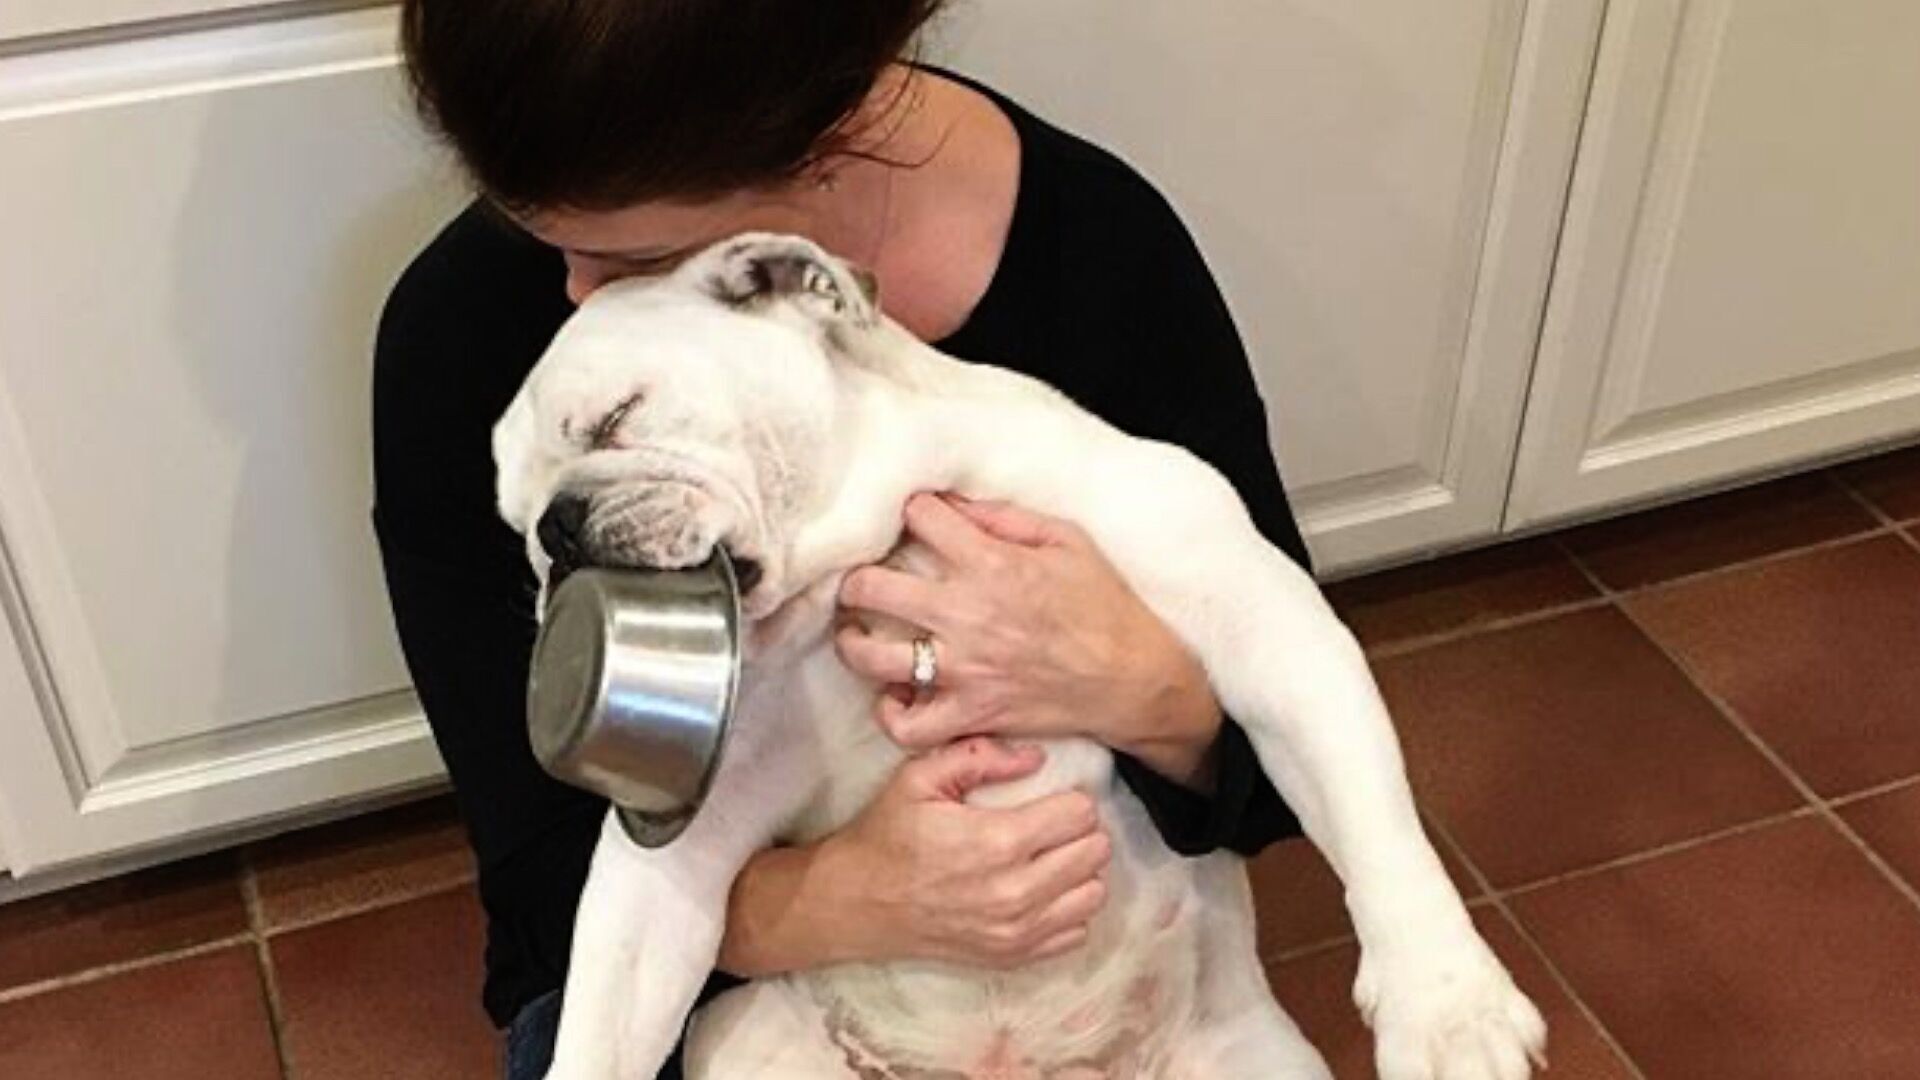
x=909, y=419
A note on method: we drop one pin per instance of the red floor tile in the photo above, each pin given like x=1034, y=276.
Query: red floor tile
x=1889, y=481
x=1779, y=954
x=1458, y=592
x=393, y=993
x=1317, y=991
x=1890, y=824
x=123, y=918
x=195, y=1019
x=1817, y=653
x=1569, y=742
x=1706, y=533
x=321, y=872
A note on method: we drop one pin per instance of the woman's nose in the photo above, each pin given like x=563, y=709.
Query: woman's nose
x=584, y=276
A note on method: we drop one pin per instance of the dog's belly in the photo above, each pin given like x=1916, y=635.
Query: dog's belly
x=1110, y=1010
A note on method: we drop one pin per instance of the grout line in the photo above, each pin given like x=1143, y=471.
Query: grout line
x=1821, y=806
x=81, y=978
x=1650, y=854
x=1858, y=496
x=1580, y=564
x=1492, y=626
x=1311, y=948
x=1900, y=884
x=1494, y=896
x=1717, y=571
x=1876, y=791
x=379, y=903
x=1910, y=535
x=263, y=959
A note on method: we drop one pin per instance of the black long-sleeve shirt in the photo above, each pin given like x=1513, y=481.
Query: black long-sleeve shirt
x=1100, y=291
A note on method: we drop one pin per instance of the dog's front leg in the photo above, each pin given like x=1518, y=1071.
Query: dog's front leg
x=650, y=921
x=1441, y=1005
x=644, y=941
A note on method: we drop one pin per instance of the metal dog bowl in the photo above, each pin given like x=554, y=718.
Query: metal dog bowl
x=633, y=683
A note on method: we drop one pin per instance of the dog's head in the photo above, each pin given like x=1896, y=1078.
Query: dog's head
x=672, y=415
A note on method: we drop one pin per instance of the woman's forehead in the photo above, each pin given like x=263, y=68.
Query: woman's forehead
x=654, y=229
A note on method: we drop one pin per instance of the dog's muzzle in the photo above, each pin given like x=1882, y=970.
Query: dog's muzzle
x=563, y=535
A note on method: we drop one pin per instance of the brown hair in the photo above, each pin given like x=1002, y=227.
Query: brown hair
x=598, y=104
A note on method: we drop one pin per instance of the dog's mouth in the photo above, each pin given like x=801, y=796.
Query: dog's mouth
x=747, y=572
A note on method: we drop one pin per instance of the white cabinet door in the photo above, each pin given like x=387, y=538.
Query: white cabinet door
x=199, y=230
x=1738, y=288
x=1377, y=186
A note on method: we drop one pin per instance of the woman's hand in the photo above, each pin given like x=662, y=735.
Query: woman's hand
x=1035, y=634
x=921, y=875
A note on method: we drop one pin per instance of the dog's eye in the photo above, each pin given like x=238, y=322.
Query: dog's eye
x=603, y=432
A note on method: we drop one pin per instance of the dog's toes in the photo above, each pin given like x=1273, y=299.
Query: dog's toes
x=1459, y=1018
x=1494, y=1045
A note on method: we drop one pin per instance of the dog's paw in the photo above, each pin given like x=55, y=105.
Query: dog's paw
x=757, y=266
x=1449, y=1013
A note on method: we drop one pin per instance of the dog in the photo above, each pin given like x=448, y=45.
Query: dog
x=755, y=398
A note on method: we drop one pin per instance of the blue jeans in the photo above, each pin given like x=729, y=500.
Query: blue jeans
x=530, y=1041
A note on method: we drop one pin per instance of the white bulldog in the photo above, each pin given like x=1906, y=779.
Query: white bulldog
x=757, y=399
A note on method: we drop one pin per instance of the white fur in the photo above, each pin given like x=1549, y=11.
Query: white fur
x=791, y=423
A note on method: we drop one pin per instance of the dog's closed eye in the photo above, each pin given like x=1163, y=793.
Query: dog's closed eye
x=602, y=434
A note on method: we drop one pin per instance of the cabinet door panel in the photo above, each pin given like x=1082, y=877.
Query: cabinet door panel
x=187, y=301
x=1739, y=286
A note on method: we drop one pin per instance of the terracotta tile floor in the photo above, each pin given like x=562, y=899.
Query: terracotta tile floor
x=1673, y=761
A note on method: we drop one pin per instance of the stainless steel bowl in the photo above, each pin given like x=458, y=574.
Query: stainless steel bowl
x=633, y=684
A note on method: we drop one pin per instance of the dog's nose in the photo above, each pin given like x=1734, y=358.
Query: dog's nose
x=562, y=529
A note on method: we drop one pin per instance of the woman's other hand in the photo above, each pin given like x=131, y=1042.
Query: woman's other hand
x=921, y=875
x=1035, y=634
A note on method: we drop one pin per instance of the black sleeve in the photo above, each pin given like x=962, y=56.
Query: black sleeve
x=1189, y=383
x=458, y=334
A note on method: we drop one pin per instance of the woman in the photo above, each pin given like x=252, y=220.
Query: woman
x=613, y=137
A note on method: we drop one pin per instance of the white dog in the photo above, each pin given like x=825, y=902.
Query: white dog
x=755, y=398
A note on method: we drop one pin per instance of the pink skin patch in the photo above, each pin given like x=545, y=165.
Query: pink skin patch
x=1001, y=1062
x=1144, y=994
x=1081, y=1020
x=1169, y=914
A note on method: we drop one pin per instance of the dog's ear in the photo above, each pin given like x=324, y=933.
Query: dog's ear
x=762, y=268
x=869, y=284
